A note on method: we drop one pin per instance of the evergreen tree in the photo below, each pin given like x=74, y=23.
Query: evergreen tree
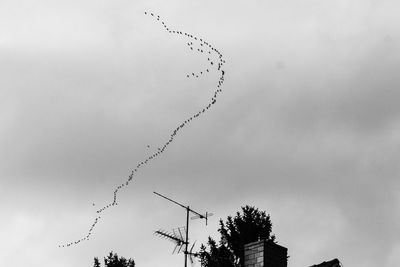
x=216, y=256
x=249, y=226
x=113, y=260
x=96, y=262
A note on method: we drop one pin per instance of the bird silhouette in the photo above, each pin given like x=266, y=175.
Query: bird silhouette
x=199, y=44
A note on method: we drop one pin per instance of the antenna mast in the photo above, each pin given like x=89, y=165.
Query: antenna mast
x=188, y=210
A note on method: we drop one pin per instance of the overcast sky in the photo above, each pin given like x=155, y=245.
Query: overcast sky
x=307, y=127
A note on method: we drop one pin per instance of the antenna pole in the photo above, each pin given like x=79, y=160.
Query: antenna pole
x=187, y=234
x=188, y=210
x=179, y=204
x=170, y=200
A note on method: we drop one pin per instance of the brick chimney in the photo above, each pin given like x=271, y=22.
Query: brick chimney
x=264, y=254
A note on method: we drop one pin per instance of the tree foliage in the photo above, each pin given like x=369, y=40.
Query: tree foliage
x=216, y=255
x=248, y=226
x=96, y=262
x=113, y=260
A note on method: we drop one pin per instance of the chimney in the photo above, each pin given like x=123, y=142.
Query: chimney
x=264, y=254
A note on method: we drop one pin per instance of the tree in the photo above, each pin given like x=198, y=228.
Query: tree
x=249, y=226
x=113, y=260
x=216, y=256
x=96, y=262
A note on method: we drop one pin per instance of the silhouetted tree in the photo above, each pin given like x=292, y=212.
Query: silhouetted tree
x=96, y=262
x=113, y=260
x=216, y=255
x=249, y=226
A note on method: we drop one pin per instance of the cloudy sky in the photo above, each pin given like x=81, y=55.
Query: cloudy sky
x=307, y=127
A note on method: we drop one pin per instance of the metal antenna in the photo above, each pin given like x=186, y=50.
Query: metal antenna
x=208, y=214
x=178, y=240
x=188, y=210
x=191, y=254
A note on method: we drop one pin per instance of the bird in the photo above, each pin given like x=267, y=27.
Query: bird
x=174, y=133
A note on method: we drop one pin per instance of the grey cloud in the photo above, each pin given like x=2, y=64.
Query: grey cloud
x=308, y=111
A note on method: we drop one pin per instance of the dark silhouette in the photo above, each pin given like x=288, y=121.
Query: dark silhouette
x=113, y=260
x=217, y=255
x=96, y=262
x=332, y=263
x=249, y=226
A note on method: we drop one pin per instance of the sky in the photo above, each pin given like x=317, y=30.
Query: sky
x=306, y=127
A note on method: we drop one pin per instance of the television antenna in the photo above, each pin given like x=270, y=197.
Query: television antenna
x=177, y=236
x=191, y=254
x=180, y=240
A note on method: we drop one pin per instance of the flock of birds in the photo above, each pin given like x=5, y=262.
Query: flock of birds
x=215, y=63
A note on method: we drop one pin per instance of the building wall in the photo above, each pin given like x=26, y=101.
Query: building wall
x=254, y=254
x=264, y=254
